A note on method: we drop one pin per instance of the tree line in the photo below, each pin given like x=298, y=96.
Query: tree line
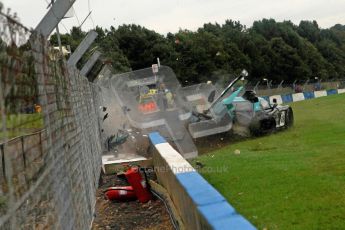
x=268, y=49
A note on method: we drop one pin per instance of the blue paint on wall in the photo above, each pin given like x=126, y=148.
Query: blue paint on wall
x=223, y=216
x=309, y=95
x=214, y=208
x=217, y=210
x=235, y=222
x=201, y=192
x=210, y=204
x=287, y=98
x=332, y=92
x=156, y=138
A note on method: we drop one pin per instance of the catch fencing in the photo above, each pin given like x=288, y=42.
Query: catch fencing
x=266, y=88
x=50, y=146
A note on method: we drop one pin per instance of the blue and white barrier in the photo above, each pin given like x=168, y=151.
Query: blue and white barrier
x=308, y=95
x=322, y=93
x=287, y=98
x=298, y=97
x=332, y=92
x=293, y=97
x=200, y=205
x=341, y=91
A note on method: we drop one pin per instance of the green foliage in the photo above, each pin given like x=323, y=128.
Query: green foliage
x=21, y=124
x=270, y=49
x=309, y=30
x=3, y=204
x=73, y=39
x=289, y=180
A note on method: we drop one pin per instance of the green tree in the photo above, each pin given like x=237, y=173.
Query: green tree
x=276, y=50
x=309, y=30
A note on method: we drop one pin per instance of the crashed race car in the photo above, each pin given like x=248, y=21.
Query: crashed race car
x=247, y=114
x=156, y=101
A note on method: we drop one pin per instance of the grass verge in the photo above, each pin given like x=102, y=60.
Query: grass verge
x=290, y=180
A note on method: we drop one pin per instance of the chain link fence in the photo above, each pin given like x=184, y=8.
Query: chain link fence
x=50, y=149
x=267, y=88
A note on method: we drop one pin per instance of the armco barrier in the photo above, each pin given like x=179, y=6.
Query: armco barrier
x=200, y=205
x=288, y=98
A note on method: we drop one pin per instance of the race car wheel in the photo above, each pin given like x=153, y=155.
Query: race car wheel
x=289, y=118
x=263, y=126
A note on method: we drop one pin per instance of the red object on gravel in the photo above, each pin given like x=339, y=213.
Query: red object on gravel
x=123, y=193
x=139, y=185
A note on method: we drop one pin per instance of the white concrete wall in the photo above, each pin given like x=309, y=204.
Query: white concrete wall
x=298, y=97
x=322, y=93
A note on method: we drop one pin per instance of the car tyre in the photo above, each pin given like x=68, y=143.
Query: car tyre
x=289, y=118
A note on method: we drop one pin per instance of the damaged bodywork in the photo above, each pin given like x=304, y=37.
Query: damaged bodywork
x=155, y=100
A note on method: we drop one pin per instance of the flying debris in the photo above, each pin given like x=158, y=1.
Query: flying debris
x=158, y=102
x=105, y=116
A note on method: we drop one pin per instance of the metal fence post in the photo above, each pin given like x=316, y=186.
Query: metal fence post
x=90, y=63
x=53, y=17
x=82, y=48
